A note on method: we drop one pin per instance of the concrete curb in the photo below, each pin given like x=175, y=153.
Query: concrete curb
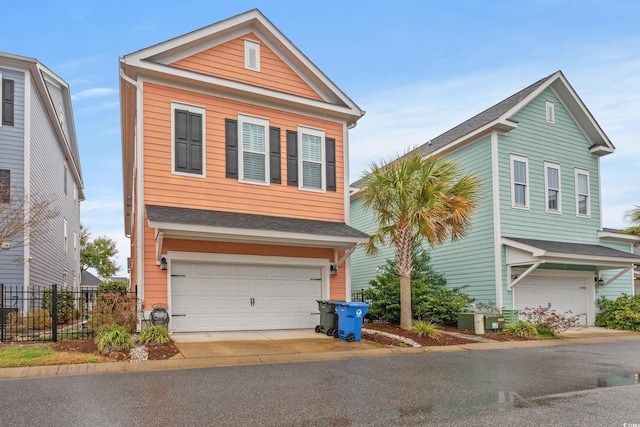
x=258, y=359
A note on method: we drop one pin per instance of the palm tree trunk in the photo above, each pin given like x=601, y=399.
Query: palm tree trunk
x=406, y=321
x=405, y=260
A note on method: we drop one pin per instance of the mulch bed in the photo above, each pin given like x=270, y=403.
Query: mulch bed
x=88, y=346
x=425, y=341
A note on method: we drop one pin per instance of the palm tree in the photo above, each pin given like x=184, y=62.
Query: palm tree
x=632, y=216
x=415, y=198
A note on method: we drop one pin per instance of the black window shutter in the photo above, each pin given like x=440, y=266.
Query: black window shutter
x=5, y=186
x=274, y=156
x=292, y=157
x=182, y=141
x=330, y=148
x=195, y=143
x=7, y=102
x=231, y=142
x=188, y=142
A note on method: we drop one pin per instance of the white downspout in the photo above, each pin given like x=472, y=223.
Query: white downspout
x=497, y=237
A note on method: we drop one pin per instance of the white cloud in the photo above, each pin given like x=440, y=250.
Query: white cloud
x=93, y=93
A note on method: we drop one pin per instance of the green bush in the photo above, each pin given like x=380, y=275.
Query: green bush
x=109, y=286
x=110, y=338
x=66, y=305
x=154, y=334
x=430, y=299
x=620, y=313
x=521, y=329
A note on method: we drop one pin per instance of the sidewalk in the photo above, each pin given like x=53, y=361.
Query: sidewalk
x=267, y=347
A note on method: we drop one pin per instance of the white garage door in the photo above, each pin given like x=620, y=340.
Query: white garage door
x=228, y=297
x=561, y=294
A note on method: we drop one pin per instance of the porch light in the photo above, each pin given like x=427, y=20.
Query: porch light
x=163, y=263
x=599, y=282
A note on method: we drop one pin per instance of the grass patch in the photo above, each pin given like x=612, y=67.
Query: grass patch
x=13, y=356
x=426, y=328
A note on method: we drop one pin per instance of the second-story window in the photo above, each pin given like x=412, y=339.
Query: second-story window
x=65, y=237
x=552, y=183
x=519, y=181
x=188, y=150
x=64, y=179
x=254, y=144
x=312, y=160
x=583, y=198
x=7, y=101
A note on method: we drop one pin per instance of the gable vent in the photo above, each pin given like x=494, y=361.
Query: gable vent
x=252, y=55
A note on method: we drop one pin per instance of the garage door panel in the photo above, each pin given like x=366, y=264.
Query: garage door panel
x=240, y=297
x=561, y=294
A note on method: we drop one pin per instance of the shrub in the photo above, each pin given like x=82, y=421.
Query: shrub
x=115, y=308
x=113, y=337
x=109, y=286
x=548, y=320
x=426, y=328
x=154, y=334
x=620, y=313
x=38, y=319
x=521, y=329
x=65, y=304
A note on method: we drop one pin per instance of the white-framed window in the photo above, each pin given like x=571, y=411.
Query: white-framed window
x=75, y=244
x=66, y=237
x=253, y=150
x=553, y=197
x=519, y=182
x=312, y=162
x=64, y=178
x=252, y=55
x=188, y=148
x=75, y=198
x=550, y=108
x=583, y=195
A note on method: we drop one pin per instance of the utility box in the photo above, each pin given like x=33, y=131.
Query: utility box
x=510, y=316
x=493, y=323
x=471, y=322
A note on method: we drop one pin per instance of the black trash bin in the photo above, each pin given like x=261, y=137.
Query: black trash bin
x=328, y=317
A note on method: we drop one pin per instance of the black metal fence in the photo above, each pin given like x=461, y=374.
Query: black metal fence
x=357, y=295
x=50, y=314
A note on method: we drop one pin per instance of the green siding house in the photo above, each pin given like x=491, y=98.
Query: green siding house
x=536, y=238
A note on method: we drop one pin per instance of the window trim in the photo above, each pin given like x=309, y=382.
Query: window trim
x=176, y=105
x=249, y=46
x=323, y=162
x=64, y=179
x=513, y=158
x=550, y=111
x=66, y=238
x=547, y=166
x=579, y=171
x=245, y=118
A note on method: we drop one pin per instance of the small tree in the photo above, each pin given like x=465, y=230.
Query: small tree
x=98, y=254
x=24, y=220
x=417, y=199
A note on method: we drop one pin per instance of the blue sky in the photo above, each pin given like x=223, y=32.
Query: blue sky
x=417, y=67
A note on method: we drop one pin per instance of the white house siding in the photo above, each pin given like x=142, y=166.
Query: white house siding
x=12, y=158
x=49, y=259
x=470, y=260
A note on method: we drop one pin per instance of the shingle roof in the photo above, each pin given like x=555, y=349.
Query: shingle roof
x=250, y=221
x=88, y=279
x=575, y=248
x=474, y=123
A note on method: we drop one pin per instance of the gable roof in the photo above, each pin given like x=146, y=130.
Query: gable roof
x=40, y=76
x=157, y=59
x=499, y=117
x=88, y=279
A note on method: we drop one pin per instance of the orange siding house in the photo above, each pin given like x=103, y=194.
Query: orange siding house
x=235, y=159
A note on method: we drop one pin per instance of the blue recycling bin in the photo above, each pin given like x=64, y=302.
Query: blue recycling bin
x=350, y=315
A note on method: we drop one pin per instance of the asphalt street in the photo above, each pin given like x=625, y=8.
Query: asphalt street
x=587, y=385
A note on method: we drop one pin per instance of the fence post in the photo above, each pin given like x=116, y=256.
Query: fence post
x=54, y=313
x=2, y=326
